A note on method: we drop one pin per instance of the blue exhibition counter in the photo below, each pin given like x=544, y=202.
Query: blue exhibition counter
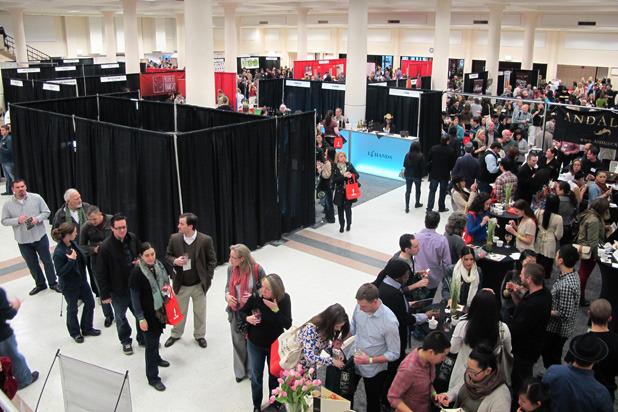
x=376, y=154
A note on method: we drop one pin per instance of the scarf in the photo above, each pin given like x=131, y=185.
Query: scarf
x=157, y=281
x=241, y=279
x=461, y=274
x=343, y=167
x=80, y=212
x=603, y=187
x=484, y=387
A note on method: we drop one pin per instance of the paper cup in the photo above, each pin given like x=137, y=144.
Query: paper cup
x=433, y=324
x=500, y=243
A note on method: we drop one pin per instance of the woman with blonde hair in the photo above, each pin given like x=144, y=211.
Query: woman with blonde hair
x=341, y=174
x=268, y=314
x=244, y=277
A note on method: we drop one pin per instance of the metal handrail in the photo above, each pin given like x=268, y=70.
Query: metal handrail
x=6, y=404
x=31, y=52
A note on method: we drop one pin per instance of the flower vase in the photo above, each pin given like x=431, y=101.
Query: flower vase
x=296, y=407
x=488, y=245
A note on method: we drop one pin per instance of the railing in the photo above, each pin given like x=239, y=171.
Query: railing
x=31, y=52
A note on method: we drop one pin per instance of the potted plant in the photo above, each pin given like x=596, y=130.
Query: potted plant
x=507, y=198
x=455, y=287
x=491, y=228
x=295, y=386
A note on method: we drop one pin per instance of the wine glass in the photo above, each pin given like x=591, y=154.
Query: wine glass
x=508, y=237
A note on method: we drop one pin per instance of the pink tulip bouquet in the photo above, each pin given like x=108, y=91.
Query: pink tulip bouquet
x=294, y=386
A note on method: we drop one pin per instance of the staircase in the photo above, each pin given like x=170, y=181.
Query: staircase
x=9, y=50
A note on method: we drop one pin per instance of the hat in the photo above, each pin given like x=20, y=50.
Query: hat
x=588, y=348
x=388, y=116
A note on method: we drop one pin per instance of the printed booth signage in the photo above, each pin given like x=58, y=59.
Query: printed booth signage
x=599, y=127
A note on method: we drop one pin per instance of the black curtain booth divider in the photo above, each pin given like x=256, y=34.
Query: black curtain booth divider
x=103, y=84
x=296, y=170
x=44, y=152
x=297, y=95
x=270, y=92
x=85, y=107
x=191, y=118
x=104, y=69
x=18, y=90
x=404, y=106
x=329, y=97
x=430, y=126
x=425, y=83
x=471, y=79
x=377, y=103
x=155, y=116
x=131, y=171
x=127, y=95
x=133, y=81
x=44, y=90
x=230, y=182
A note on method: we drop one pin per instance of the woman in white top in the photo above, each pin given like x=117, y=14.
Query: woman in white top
x=550, y=231
x=463, y=197
x=482, y=325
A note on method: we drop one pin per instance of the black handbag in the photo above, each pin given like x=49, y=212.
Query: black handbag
x=342, y=381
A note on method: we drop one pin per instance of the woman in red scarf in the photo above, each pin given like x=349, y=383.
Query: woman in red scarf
x=244, y=277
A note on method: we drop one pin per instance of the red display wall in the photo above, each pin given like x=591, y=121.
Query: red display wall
x=314, y=67
x=412, y=68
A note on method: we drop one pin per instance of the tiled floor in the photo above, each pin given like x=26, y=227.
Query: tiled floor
x=319, y=267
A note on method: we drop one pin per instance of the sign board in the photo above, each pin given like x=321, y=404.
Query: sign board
x=113, y=79
x=70, y=60
x=17, y=83
x=250, y=62
x=599, y=127
x=65, y=68
x=110, y=66
x=52, y=87
x=72, y=82
x=29, y=70
x=296, y=83
x=333, y=86
x=405, y=93
x=473, y=76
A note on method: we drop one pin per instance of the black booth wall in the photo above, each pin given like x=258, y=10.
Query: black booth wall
x=270, y=92
x=249, y=182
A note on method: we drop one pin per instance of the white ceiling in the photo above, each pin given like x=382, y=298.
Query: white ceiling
x=410, y=12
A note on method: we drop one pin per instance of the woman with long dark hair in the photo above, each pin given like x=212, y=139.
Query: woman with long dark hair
x=484, y=385
x=481, y=325
x=467, y=274
x=462, y=197
x=326, y=172
x=534, y=396
x=524, y=230
x=478, y=217
x=343, y=172
x=591, y=233
x=568, y=210
x=149, y=278
x=414, y=169
x=540, y=188
x=550, y=231
x=331, y=130
x=244, y=278
x=323, y=332
x=70, y=262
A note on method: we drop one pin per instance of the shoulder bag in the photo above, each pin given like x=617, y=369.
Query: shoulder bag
x=585, y=252
x=351, y=189
x=243, y=326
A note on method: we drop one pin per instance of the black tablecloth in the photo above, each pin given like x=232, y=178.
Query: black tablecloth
x=494, y=271
x=503, y=220
x=609, y=288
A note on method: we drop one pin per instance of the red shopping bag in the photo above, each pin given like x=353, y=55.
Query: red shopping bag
x=275, y=359
x=172, y=309
x=338, y=143
x=351, y=189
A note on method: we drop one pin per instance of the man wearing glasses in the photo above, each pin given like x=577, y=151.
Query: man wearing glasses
x=116, y=258
x=193, y=256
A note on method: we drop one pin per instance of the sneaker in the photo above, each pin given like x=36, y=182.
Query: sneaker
x=127, y=349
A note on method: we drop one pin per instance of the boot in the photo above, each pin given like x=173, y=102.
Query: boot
x=407, y=202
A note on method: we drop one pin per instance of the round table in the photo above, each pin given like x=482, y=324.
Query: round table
x=503, y=219
x=609, y=287
x=494, y=270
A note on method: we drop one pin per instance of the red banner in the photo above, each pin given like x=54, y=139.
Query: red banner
x=319, y=67
x=412, y=68
x=160, y=83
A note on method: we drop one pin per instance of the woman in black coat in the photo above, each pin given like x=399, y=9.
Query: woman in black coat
x=343, y=171
x=70, y=262
x=149, y=279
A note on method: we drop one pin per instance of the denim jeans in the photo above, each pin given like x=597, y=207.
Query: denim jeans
x=329, y=208
x=257, y=356
x=152, y=355
x=21, y=371
x=29, y=252
x=433, y=186
x=122, y=302
x=72, y=296
x=9, y=173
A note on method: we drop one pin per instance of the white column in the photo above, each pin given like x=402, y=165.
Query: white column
x=493, y=46
x=262, y=41
x=95, y=35
x=397, y=39
x=21, y=53
x=160, y=36
x=442, y=33
x=469, y=37
x=131, y=48
x=199, y=47
x=180, y=39
x=231, y=37
x=355, y=81
x=554, y=39
x=110, y=36
x=528, y=51
x=301, y=42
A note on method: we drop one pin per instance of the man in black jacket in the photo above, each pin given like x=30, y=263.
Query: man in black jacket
x=441, y=161
x=524, y=178
x=115, y=262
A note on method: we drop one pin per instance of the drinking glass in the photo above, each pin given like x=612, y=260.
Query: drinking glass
x=508, y=237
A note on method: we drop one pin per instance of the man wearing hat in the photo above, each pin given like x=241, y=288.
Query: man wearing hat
x=573, y=387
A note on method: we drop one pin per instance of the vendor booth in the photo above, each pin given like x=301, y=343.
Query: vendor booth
x=319, y=67
x=413, y=68
x=153, y=161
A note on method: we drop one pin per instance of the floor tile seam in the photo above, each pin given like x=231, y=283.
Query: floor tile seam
x=342, y=243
